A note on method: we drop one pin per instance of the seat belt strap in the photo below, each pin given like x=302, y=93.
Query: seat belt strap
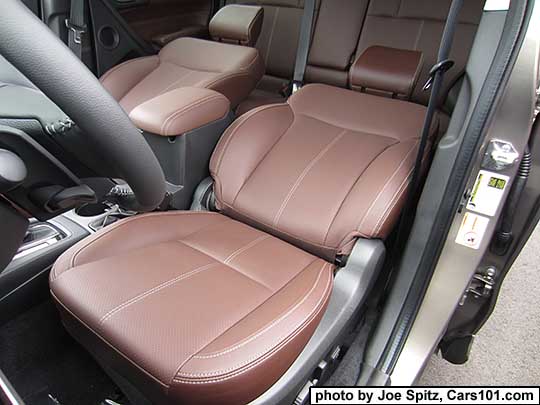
x=304, y=42
x=76, y=26
x=434, y=82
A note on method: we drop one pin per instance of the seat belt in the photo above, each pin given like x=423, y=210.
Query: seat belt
x=76, y=26
x=434, y=82
x=304, y=42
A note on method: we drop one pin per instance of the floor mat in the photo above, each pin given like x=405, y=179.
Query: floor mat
x=348, y=371
x=40, y=358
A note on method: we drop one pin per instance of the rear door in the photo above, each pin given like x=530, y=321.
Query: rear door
x=119, y=30
x=160, y=21
x=521, y=212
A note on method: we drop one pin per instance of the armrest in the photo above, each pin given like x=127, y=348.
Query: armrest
x=180, y=110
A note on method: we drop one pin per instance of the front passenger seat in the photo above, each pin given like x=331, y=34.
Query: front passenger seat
x=228, y=65
x=205, y=307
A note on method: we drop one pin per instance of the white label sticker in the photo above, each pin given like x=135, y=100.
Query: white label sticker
x=487, y=192
x=472, y=229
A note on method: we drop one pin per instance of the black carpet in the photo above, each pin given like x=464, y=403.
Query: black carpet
x=348, y=371
x=40, y=358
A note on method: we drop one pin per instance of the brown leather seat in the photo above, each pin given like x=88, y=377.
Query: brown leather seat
x=205, y=308
x=213, y=308
x=228, y=68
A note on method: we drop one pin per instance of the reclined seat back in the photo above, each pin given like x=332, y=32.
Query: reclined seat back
x=327, y=167
x=224, y=66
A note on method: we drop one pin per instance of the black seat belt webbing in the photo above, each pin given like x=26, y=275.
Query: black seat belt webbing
x=435, y=82
x=304, y=43
x=76, y=26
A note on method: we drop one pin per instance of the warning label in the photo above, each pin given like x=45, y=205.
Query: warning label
x=487, y=192
x=472, y=230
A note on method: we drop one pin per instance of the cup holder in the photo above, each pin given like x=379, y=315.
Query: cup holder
x=94, y=217
x=91, y=210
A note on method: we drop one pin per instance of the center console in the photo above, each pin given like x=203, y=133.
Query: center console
x=182, y=127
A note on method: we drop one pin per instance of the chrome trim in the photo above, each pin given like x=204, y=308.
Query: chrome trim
x=9, y=392
x=58, y=233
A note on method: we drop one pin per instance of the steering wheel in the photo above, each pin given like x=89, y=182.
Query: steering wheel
x=44, y=59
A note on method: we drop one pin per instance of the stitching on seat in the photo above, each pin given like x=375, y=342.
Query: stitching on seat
x=153, y=290
x=227, y=76
x=117, y=67
x=170, y=119
x=280, y=339
x=228, y=137
x=173, y=84
x=209, y=254
x=255, y=363
x=254, y=309
x=107, y=343
x=246, y=247
x=198, y=69
x=385, y=185
x=295, y=237
x=304, y=173
x=333, y=124
x=266, y=328
x=352, y=187
x=250, y=64
x=121, y=224
x=392, y=203
x=263, y=157
x=262, y=356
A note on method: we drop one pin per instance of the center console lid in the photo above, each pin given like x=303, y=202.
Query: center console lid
x=180, y=111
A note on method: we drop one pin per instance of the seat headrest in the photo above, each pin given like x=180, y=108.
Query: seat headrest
x=386, y=71
x=237, y=24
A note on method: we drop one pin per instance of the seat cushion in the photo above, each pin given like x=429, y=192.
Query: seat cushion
x=327, y=167
x=231, y=70
x=204, y=308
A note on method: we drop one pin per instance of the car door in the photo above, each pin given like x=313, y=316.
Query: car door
x=118, y=30
x=478, y=207
x=521, y=211
x=516, y=223
x=160, y=21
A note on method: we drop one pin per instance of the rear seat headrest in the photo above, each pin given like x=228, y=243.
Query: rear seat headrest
x=386, y=71
x=237, y=24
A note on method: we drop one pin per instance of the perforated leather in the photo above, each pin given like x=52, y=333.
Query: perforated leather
x=206, y=309
x=325, y=168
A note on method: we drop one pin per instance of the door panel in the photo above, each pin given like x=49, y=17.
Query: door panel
x=160, y=21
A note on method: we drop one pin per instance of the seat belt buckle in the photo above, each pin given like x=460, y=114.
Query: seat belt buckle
x=78, y=31
x=439, y=67
x=296, y=85
x=291, y=88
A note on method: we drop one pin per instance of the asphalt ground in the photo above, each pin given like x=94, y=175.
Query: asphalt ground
x=506, y=350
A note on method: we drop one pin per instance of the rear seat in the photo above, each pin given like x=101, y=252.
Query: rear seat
x=277, y=45
x=344, y=29
x=418, y=25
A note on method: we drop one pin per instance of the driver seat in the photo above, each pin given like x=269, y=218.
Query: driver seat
x=203, y=307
